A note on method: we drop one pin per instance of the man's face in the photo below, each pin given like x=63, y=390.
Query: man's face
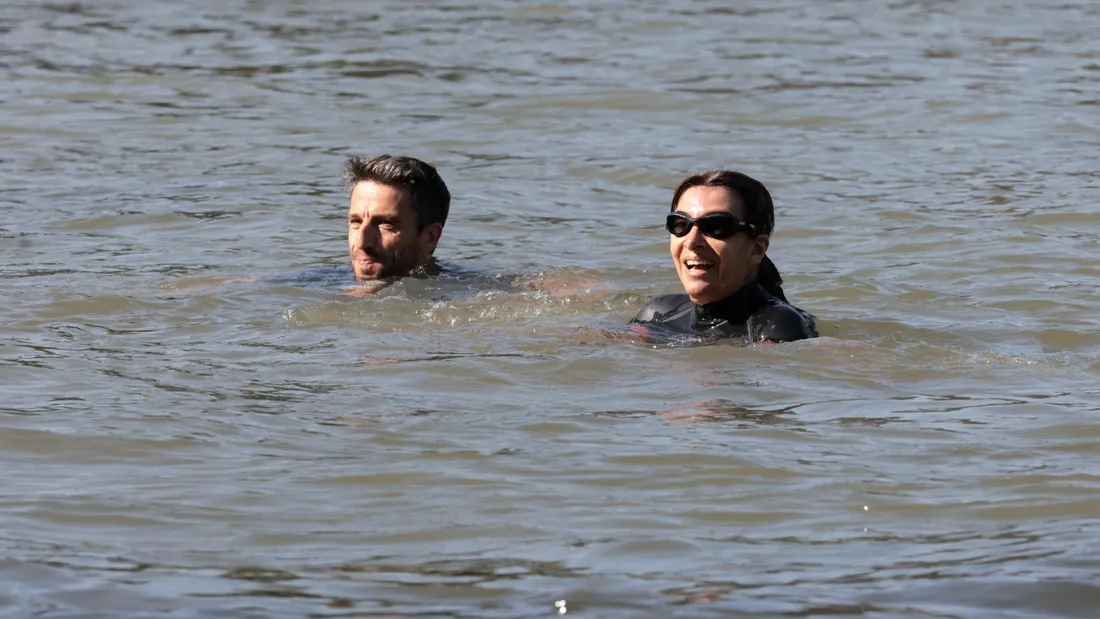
x=382, y=233
x=713, y=269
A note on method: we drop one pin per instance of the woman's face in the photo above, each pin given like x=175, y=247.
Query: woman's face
x=713, y=269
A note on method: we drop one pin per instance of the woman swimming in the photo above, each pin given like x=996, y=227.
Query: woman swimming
x=720, y=226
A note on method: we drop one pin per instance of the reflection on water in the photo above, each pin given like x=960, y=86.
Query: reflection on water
x=203, y=415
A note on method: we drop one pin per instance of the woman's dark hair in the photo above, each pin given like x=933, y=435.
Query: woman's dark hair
x=759, y=212
x=429, y=195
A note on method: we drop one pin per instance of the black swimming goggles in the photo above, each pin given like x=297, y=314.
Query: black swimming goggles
x=714, y=225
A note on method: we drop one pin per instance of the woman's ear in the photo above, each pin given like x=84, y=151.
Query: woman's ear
x=760, y=247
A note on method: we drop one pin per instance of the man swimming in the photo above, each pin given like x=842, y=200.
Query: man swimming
x=396, y=215
x=398, y=208
x=720, y=227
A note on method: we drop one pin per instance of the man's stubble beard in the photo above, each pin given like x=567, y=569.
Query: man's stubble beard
x=397, y=264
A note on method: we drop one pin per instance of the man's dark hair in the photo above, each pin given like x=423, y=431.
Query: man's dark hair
x=759, y=212
x=426, y=190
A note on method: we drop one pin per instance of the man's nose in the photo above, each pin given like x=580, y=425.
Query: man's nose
x=365, y=235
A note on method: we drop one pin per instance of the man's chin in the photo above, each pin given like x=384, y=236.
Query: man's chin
x=368, y=270
x=371, y=270
x=364, y=275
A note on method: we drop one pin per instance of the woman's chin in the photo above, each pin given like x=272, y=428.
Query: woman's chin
x=696, y=289
x=699, y=295
x=702, y=293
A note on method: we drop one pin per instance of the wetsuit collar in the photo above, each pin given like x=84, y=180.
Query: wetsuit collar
x=735, y=308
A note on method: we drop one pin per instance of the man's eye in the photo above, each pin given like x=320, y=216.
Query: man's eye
x=388, y=225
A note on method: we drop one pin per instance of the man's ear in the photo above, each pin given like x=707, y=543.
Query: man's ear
x=431, y=236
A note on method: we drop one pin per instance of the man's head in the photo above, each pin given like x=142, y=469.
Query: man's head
x=398, y=208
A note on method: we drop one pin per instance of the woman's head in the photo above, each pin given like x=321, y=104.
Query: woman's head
x=715, y=257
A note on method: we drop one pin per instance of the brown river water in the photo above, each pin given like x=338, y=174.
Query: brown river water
x=197, y=421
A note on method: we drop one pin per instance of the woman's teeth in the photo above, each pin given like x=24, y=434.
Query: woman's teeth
x=698, y=264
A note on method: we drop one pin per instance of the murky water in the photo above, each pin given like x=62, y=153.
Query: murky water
x=197, y=422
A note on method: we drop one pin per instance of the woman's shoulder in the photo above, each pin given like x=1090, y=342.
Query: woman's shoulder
x=661, y=307
x=781, y=322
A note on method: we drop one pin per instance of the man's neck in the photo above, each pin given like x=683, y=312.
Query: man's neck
x=431, y=268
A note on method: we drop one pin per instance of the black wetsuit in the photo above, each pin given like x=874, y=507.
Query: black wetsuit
x=750, y=313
